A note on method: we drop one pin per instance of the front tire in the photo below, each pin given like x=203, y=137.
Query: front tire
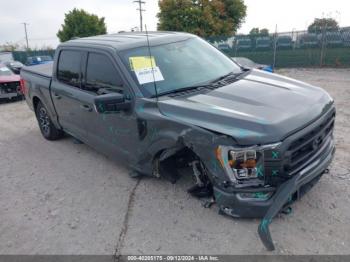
x=47, y=128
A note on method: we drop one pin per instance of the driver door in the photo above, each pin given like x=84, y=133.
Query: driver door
x=113, y=133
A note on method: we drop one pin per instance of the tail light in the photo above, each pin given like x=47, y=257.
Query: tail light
x=23, y=87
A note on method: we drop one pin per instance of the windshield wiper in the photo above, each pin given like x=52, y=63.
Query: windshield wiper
x=229, y=75
x=182, y=89
x=223, y=77
x=212, y=83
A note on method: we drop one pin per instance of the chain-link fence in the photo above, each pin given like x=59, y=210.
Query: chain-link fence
x=291, y=49
x=22, y=56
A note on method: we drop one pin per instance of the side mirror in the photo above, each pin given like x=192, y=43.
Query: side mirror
x=112, y=102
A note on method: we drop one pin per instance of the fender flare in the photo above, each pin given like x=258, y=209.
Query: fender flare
x=52, y=115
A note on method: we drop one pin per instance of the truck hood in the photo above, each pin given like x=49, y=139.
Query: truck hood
x=257, y=109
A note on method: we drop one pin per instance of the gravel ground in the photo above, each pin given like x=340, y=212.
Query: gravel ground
x=66, y=198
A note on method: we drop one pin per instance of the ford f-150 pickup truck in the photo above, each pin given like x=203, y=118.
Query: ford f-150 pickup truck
x=166, y=102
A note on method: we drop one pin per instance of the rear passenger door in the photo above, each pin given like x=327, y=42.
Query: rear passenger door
x=71, y=103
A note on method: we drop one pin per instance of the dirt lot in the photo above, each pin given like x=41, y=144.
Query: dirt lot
x=65, y=198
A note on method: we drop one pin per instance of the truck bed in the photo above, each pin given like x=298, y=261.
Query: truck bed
x=38, y=79
x=44, y=70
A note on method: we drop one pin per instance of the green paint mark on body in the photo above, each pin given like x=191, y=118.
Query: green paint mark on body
x=260, y=171
x=274, y=154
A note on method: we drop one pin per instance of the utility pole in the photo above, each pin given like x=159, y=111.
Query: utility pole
x=323, y=44
x=140, y=2
x=274, y=49
x=25, y=31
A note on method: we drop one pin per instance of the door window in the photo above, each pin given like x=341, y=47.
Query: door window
x=68, y=70
x=101, y=75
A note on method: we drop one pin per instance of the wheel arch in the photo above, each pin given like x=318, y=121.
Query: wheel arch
x=35, y=102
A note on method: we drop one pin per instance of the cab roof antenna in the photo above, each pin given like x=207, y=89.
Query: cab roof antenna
x=152, y=66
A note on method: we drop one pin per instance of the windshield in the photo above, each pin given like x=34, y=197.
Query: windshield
x=309, y=38
x=4, y=71
x=244, y=42
x=223, y=46
x=284, y=40
x=263, y=41
x=177, y=65
x=38, y=59
x=45, y=58
x=16, y=64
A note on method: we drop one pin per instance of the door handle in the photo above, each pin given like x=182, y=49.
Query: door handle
x=86, y=108
x=57, y=96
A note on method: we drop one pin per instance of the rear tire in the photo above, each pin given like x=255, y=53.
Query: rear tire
x=47, y=128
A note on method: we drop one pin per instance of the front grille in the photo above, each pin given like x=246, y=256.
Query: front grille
x=11, y=87
x=304, y=148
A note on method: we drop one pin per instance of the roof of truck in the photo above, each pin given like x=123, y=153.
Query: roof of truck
x=127, y=40
x=120, y=41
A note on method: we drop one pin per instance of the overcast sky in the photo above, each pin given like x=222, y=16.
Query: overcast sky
x=45, y=17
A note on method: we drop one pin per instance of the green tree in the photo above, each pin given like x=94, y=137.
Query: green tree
x=79, y=23
x=254, y=31
x=264, y=32
x=259, y=32
x=320, y=24
x=202, y=17
x=9, y=47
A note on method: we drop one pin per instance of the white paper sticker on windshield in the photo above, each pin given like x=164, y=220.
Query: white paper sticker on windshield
x=145, y=75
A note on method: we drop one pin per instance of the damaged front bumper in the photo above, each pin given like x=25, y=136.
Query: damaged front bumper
x=269, y=201
x=10, y=90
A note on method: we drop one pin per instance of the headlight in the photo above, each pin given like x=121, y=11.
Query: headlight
x=243, y=163
x=246, y=164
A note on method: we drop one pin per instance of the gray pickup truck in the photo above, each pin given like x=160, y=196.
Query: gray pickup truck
x=171, y=104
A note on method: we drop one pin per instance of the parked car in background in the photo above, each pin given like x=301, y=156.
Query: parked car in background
x=247, y=63
x=243, y=44
x=333, y=39
x=38, y=60
x=9, y=84
x=263, y=43
x=284, y=42
x=14, y=66
x=307, y=41
x=224, y=47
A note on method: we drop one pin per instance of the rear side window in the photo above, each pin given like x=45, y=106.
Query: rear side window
x=68, y=70
x=101, y=75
